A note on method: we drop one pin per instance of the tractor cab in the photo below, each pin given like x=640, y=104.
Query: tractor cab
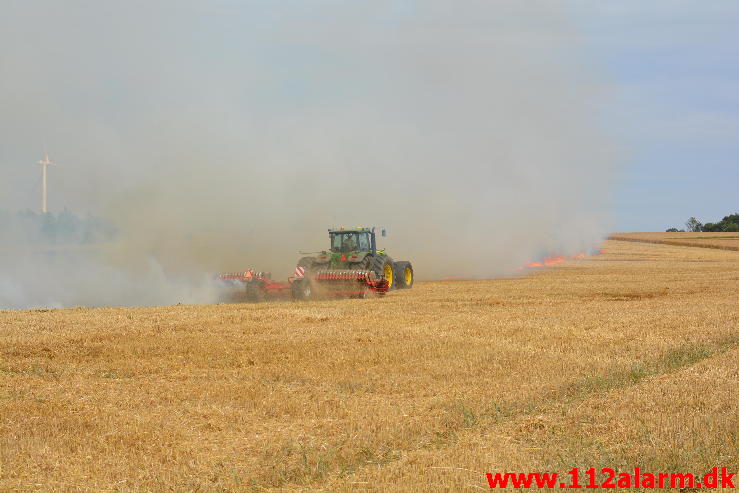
x=352, y=240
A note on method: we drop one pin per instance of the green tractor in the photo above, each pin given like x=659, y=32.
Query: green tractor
x=353, y=266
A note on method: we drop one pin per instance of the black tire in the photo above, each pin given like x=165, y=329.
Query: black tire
x=254, y=292
x=306, y=262
x=302, y=289
x=401, y=281
x=367, y=262
x=378, y=267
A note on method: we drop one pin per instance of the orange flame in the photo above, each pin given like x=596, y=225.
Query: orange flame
x=555, y=259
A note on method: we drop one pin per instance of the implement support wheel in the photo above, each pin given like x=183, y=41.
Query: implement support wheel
x=302, y=289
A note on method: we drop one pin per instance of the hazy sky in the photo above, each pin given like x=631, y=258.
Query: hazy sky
x=674, y=70
x=82, y=77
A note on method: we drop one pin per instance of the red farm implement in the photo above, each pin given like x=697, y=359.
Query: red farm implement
x=255, y=286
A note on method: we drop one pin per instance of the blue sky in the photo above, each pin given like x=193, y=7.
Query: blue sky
x=673, y=69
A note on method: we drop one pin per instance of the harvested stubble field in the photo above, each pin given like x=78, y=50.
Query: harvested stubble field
x=721, y=241
x=626, y=358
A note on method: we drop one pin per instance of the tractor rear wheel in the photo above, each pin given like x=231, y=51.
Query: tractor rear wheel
x=403, y=274
x=382, y=266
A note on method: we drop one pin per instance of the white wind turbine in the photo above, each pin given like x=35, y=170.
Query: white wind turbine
x=45, y=162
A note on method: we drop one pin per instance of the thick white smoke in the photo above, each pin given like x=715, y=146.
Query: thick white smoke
x=231, y=136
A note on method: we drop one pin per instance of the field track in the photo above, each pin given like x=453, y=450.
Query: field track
x=720, y=241
x=621, y=359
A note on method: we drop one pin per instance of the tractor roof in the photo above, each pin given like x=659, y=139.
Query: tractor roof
x=342, y=229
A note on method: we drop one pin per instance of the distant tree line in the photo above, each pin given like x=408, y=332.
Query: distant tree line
x=729, y=223
x=28, y=226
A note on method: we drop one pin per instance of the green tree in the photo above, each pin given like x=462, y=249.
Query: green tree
x=693, y=225
x=730, y=223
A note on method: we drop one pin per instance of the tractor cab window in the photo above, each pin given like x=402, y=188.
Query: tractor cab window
x=364, y=243
x=349, y=242
x=336, y=242
x=344, y=242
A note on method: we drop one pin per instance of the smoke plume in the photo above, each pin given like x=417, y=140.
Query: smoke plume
x=220, y=136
